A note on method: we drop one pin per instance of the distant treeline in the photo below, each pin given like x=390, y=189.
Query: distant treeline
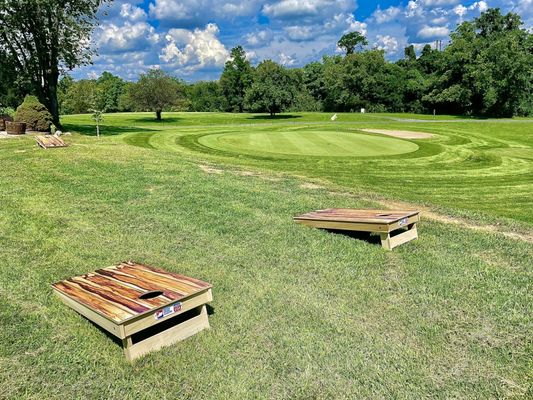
x=486, y=70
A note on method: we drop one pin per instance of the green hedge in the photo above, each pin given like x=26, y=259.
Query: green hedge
x=34, y=114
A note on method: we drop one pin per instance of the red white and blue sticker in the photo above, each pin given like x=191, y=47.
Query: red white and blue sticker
x=168, y=310
x=402, y=222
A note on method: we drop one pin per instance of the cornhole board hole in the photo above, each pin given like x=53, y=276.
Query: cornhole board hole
x=50, y=141
x=146, y=307
x=394, y=227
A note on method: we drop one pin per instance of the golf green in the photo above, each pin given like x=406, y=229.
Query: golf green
x=305, y=142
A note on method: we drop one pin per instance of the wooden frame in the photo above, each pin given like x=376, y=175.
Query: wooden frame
x=394, y=227
x=133, y=300
x=50, y=141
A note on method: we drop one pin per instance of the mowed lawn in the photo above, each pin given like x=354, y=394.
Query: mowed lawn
x=297, y=312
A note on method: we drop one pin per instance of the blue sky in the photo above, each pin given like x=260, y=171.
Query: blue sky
x=192, y=38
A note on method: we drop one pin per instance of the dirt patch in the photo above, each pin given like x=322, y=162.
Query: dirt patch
x=426, y=212
x=401, y=134
x=266, y=177
x=210, y=170
x=311, y=186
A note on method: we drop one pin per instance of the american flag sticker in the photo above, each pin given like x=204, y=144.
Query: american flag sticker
x=168, y=310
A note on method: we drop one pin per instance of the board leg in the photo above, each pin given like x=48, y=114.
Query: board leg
x=167, y=337
x=390, y=242
x=386, y=240
x=127, y=343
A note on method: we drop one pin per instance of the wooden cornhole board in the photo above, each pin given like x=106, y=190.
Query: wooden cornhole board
x=132, y=301
x=50, y=141
x=386, y=223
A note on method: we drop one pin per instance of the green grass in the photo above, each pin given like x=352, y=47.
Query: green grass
x=298, y=312
x=308, y=142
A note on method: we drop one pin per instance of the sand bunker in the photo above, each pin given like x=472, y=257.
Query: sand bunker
x=400, y=134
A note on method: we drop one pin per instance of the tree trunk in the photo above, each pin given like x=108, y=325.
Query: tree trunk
x=158, y=114
x=52, y=98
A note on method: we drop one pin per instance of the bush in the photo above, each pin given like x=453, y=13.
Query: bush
x=34, y=114
x=7, y=112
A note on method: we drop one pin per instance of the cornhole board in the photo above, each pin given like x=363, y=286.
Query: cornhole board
x=146, y=307
x=50, y=141
x=394, y=227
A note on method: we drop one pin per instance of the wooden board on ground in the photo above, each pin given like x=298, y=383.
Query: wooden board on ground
x=130, y=300
x=50, y=141
x=394, y=227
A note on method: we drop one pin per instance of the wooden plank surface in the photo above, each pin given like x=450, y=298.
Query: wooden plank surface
x=357, y=216
x=50, y=141
x=116, y=292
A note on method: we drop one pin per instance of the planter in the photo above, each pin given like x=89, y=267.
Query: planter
x=15, y=128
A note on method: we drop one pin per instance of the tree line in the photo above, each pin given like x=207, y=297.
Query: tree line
x=485, y=70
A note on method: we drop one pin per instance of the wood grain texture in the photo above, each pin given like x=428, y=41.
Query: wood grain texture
x=358, y=216
x=50, y=141
x=115, y=292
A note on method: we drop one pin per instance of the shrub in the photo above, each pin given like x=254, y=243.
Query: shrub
x=7, y=112
x=34, y=114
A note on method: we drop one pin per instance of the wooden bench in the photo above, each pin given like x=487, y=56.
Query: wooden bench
x=147, y=308
x=394, y=227
x=50, y=141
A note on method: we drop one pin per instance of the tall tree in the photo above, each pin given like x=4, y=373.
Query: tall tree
x=236, y=79
x=352, y=41
x=272, y=89
x=487, y=69
x=155, y=91
x=44, y=35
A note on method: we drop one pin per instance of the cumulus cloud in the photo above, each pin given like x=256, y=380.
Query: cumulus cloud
x=433, y=32
x=290, y=9
x=387, y=43
x=113, y=38
x=132, y=13
x=381, y=16
x=259, y=38
x=196, y=12
x=286, y=60
x=193, y=50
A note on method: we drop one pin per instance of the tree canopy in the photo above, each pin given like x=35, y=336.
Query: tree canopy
x=236, y=79
x=155, y=91
x=40, y=37
x=271, y=90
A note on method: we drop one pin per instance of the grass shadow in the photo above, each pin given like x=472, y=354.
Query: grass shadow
x=365, y=236
x=274, y=117
x=105, y=130
x=153, y=120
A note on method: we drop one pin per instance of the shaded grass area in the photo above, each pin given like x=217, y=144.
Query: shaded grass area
x=298, y=312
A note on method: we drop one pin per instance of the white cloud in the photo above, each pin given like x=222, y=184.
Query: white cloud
x=381, y=16
x=193, y=50
x=387, y=43
x=428, y=32
x=132, y=12
x=261, y=37
x=128, y=37
x=286, y=60
x=287, y=9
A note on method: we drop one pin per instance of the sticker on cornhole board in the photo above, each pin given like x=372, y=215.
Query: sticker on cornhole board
x=402, y=222
x=165, y=312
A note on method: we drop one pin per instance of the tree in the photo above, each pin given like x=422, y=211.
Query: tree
x=205, y=97
x=352, y=41
x=272, y=89
x=236, y=79
x=155, y=91
x=112, y=88
x=43, y=35
x=487, y=69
